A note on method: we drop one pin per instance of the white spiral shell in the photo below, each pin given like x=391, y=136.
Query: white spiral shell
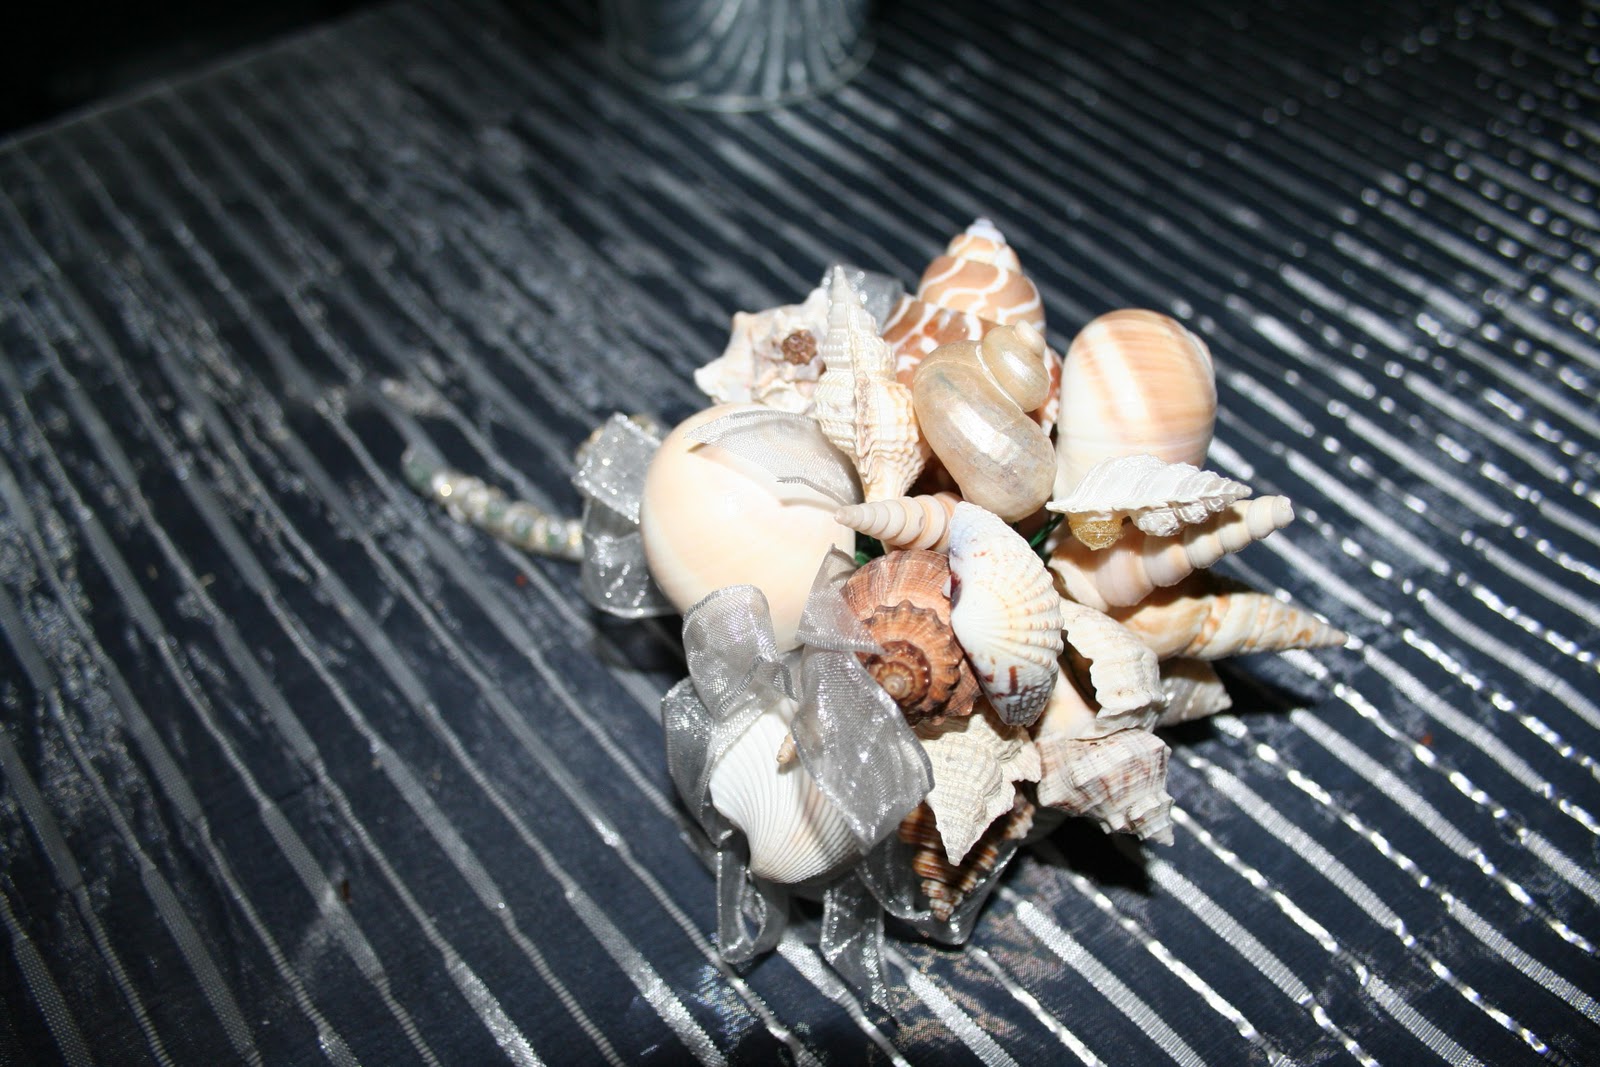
x=1006, y=613
x=919, y=522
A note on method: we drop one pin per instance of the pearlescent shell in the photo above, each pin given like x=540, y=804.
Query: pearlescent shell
x=903, y=599
x=1196, y=619
x=972, y=402
x=975, y=760
x=1128, y=571
x=1006, y=613
x=795, y=832
x=710, y=519
x=904, y=522
x=1119, y=780
x=1134, y=382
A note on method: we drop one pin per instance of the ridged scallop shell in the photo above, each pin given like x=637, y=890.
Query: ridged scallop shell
x=709, y=519
x=975, y=760
x=1006, y=613
x=1128, y=571
x=1160, y=498
x=904, y=522
x=862, y=410
x=1134, y=382
x=773, y=357
x=1121, y=670
x=947, y=884
x=903, y=599
x=1119, y=780
x=795, y=832
x=972, y=401
x=1199, y=620
x=1193, y=691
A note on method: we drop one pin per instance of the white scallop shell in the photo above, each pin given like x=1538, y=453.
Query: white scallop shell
x=795, y=832
x=860, y=406
x=1199, y=620
x=1159, y=497
x=975, y=760
x=1128, y=571
x=1122, y=670
x=710, y=519
x=1006, y=613
x=1120, y=780
x=920, y=522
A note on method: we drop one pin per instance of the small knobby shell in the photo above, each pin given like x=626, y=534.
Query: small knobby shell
x=972, y=401
x=771, y=358
x=947, y=884
x=794, y=831
x=975, y=760
x=1120, y=780
x=1134, y=382
x=903, y=599
x=1138, y=564
x=709, y=519
x=1006, y=613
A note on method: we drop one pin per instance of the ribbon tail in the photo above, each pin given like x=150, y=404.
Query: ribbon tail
x=741, y=898
x=852, y=938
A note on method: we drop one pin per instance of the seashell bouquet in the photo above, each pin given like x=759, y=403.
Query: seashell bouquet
x=941, y=586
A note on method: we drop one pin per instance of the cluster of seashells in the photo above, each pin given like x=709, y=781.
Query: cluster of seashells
x=1041, y=601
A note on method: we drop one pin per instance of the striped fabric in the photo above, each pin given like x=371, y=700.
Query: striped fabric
x=294, y=769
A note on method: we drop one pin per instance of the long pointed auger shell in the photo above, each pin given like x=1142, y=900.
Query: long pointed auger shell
x=1006, y=613
x=975, y=760
x=947, y=884
x=1128, y=571
x=905, y=521
x=795, y=832
x=1160, y=497
x=862, y=410
x=1120, y=780
x=1197, y=620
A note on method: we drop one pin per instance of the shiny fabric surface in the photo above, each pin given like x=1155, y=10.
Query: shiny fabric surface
x=295, y=769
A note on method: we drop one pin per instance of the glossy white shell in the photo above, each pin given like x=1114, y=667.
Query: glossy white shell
x=1006, y=613
x=710, y=519
x=795, y=832
x=1134, y=382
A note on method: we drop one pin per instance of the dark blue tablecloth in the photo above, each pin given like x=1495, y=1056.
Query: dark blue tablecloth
x=294, y=768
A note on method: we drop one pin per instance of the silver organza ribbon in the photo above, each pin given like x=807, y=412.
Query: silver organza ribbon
x=610, y=476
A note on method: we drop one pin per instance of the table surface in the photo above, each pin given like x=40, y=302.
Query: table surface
x=295, y=768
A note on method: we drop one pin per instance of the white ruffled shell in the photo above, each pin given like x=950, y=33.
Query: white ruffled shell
x=795, y=832
x=1122, y=670
x=1160, y=497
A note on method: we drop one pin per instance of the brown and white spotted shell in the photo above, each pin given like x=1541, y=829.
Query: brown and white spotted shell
x=903, y=599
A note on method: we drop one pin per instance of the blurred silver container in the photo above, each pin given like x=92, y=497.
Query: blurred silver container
x=736, y=55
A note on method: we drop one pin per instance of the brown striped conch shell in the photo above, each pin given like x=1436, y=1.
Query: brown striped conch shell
x=795, y=832
x=861, y=408
x=975, y=760
x=972, y=401
x=1119, y=780
x=773, y=357
x=1006, y=613
x=1121, y=671
x=947, y=884
x=980, y=274
x=1160, y=498
x=1128, y=571
x=709, y=518
x=905, y=521
x=903, y=599
x=1134, y=382
x=1199, y=619
x=1193, y=691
